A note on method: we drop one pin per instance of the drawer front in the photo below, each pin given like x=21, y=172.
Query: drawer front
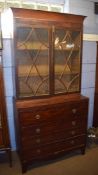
x=39, y=136
x=47, y=128
x=69, y=111
x=41, y=152
x=52, y=128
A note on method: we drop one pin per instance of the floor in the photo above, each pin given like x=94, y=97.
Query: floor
x=71, y=164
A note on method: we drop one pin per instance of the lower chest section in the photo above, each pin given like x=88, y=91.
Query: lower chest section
x=52, y=129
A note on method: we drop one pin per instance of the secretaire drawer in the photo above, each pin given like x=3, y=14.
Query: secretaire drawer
x=68, y=111
x=37, y=115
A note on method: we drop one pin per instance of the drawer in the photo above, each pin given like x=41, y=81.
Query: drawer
x=54, y=113
x=76, y=109
x=36, y=116
x=46, y=128
x=29, y=140
x=41, y=152
x=73, y=123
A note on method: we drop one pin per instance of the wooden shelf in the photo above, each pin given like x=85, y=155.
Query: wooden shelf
x=42, y=46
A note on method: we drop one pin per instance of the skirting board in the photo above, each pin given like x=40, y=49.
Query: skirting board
x=90, y=37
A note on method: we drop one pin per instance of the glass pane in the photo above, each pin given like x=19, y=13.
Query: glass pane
x=67, y=60
x=32, y=61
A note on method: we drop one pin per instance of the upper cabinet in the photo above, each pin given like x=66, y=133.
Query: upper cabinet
x=47, y=53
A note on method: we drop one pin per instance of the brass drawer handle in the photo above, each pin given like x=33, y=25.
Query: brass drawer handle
x=37, y=140
x=73, y=123
x=37, y=130
x=72, y=142
x=57, y=152
x=38, y=151
x=37, y=116
x=73, y=132
x=74, y=111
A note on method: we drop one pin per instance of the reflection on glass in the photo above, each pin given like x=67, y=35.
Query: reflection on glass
x=67, y=60
x=33, y=51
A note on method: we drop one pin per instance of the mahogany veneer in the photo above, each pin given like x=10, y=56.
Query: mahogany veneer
x=50, y=113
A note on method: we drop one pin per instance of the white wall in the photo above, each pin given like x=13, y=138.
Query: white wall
x=84, y=7
x=88, y=75
x=7, y=67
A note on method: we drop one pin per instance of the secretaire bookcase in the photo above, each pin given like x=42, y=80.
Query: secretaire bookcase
x=50, y=112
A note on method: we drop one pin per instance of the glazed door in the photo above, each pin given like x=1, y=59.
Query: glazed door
x=47, y=60
x=32, y=57
x=67, y=53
